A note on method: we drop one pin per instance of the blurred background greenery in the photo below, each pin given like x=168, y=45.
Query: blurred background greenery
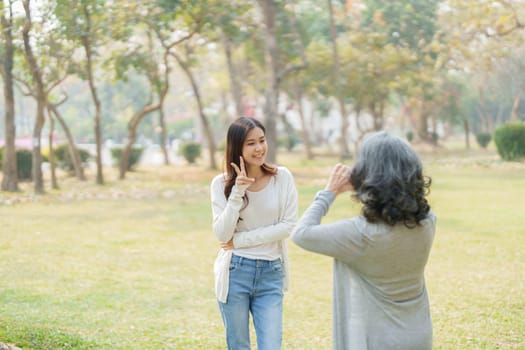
x=98, y=75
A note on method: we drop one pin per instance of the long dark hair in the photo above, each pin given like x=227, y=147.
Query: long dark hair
x=388, y=179
x=235, y=138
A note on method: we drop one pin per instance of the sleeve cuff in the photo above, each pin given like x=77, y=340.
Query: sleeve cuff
x=327, y=197
x=237, y=194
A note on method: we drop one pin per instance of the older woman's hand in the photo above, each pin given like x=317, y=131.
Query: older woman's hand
x=339, y=180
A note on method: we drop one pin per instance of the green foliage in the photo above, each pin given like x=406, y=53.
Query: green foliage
x=179, y=127
x=190, y=150
x=449, y=105
x=63, y=158
x=483, y=139
x=24, y=163
x=288, y=141
x=510, y=141
x=434, y=137
x=406, y=22
x=371, y=69
x=134, y=156
x=410, y=136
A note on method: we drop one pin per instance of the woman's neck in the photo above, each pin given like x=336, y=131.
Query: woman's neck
x=255, y=172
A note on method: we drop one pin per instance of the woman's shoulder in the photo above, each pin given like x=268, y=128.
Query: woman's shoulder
x=430, y=219
x=284, y=172
x=284, y=176
x=218, y=181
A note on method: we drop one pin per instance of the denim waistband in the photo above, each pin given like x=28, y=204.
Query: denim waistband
x=254, y=262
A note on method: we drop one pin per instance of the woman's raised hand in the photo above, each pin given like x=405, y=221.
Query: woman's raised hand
x=339, y=180
x=242, y=179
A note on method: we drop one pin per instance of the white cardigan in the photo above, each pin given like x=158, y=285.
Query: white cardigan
x=225, y=218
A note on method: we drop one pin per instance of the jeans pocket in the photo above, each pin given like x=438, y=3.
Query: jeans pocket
x=277, y=267
x=234, y=266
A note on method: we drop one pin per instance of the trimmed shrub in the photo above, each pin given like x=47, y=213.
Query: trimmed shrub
x=288, y=142
x=435, y=137
x=24, y=164
x=134, y=156
x=510, y=141
x=190, y=151
x=63, y=159
x=483, y=139
x=410, y=136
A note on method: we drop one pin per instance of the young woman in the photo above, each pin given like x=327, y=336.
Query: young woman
x=379, y=300
x=254, y=208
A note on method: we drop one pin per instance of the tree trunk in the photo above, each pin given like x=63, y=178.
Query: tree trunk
x=73, y=151
x=162, y=97
x=514, y=115
x=234, y=82
x=9, y=167
x=271, y=102
x=484, y=114
x=132, y=132
x=422, y=123
x=270, y=109
x=54, y=182
x=306, y=134
x=203, y=118
x=466, y=128
x=377, y=111
x=38, y=179
x=345, y=152
x=423, y=128
x=163, y=136
x=38, y=176
x=86, y=43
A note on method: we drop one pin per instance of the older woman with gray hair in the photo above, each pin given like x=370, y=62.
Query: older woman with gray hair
x=379, y=298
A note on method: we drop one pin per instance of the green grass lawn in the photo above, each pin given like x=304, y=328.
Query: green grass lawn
x=129, y=265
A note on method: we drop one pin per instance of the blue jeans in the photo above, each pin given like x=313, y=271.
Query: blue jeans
x=256, y=287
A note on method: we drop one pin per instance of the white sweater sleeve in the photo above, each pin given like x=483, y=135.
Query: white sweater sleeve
x=225, y=211
x=287, y=217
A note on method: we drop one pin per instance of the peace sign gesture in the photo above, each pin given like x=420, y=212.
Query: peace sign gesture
x=242, y=179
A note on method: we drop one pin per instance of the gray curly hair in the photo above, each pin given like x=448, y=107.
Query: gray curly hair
x=388, y=179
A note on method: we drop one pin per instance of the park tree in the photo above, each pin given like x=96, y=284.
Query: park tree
x=277, y=64
x=337, y=77
x=173, y=24
x=298, y=88
x=53, y=105
x=184, y=59
x=40, y=96
x=232, y=21
x=187, y=57
x=484, y=45
x=156, y=70
x=411, y=25
x=147, y=52
x=88, y=23
x=9, y=167
x=52, y=66
x=313, y=25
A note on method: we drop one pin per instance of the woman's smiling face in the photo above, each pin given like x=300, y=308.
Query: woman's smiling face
x=255, y=147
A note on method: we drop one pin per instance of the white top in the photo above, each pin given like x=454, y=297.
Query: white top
x=259, y=230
